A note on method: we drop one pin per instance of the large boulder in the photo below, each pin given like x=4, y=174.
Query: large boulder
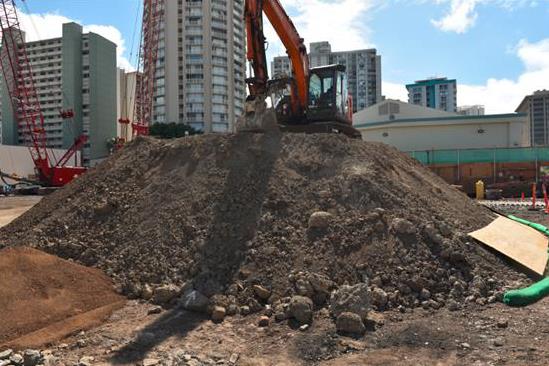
x=403, y=227
x=301, y=309
x=193, y=300
x=164, y=294
x=320, y=220
x=350, y=323
x=353, y=299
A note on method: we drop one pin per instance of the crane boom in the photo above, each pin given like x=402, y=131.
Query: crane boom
x=153, y=11
x=19, y=82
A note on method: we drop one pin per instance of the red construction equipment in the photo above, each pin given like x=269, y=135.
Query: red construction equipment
x=153, y=11
x=319, y=97
x=17, y=73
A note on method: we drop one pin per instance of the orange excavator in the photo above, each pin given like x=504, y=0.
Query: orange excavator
x=318, y=99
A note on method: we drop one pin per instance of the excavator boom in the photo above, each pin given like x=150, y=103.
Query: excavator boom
x=324, y=109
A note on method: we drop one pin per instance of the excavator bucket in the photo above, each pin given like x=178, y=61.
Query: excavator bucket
x=258, y=117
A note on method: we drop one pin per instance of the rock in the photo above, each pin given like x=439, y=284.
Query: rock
x=320, y=220
x=264, y=321
x=5, y=362
x=81, y=343
x=374, y=320
x=245, y=310
x=453, y=305
x=432, y=234
x=498, y=342
x=31, y=357
x=86, y=361
x=350, y=323
x=379, y=298
x=154, y=310
x=145, y=338
x=353, y=299
x=279, y=317
x=193, y=300
x=403, y=227
x=232, y=309
x=233, y=359
x=304, y=327
x=218, y=314
x=147, y=292
x=164, y=294
x=301, y=309
x=502, y=324
x=425, y=294
x=151, y=362
x=4, y=355
x=465, y=345
x=16, y=359
x=262, y=292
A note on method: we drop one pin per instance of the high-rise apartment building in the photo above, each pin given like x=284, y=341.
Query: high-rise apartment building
x=537, y=108
x=201, y=68
x=126, y=92
x=471, y=110
x=75, y=72
x=363, y=71
x=437, y=93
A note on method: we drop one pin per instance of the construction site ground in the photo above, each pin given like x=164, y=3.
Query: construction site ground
x=140, y=333
x=12, y=207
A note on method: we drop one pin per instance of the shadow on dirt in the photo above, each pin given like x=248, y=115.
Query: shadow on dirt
x=250, y=166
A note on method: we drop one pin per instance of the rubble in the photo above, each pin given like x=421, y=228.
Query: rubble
x=257, y=218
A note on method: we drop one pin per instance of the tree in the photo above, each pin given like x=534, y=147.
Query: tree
x=172, y=130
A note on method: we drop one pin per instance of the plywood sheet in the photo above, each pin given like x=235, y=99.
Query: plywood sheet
x=517, y=241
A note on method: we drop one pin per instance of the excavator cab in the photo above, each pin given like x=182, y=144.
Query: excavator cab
x=329, y=107
x=328, y=95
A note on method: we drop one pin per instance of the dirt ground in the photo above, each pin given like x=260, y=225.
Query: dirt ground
x=491, y=335
x=13, y=207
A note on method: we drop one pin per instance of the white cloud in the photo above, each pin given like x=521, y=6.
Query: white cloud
x=504, y=95
x=340, y=22
x=462, y=14
x=460, y=18
x=501, y=95
x=394, y=91
x=50, y=25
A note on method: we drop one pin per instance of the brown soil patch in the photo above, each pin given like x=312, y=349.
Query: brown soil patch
x=38, y=290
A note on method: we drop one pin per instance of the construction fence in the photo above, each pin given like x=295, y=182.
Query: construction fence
x=513, y=169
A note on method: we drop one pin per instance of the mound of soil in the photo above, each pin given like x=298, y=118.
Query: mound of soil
x=230, y=211
x=38, y=290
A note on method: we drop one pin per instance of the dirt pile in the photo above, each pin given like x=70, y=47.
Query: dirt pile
x=290, y=214
x=40, y=292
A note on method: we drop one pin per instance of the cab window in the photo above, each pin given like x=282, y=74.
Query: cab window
x=315, y=89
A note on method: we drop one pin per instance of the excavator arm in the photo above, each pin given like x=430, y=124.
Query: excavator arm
x=294, y=44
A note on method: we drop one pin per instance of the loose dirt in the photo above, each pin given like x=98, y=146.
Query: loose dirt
x=225, y=212
x=53, y=297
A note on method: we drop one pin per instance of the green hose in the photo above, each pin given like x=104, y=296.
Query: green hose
x=528, y=295
x=535, y=292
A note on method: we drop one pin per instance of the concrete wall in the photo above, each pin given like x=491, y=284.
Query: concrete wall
x=72, y=81
x=16, y=160
x=468, y=134
x=103, y=121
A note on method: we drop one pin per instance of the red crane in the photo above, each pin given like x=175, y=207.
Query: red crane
x=153, y=11
x=17, y=73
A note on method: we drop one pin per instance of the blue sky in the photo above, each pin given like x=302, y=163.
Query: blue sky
x=498, y=50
